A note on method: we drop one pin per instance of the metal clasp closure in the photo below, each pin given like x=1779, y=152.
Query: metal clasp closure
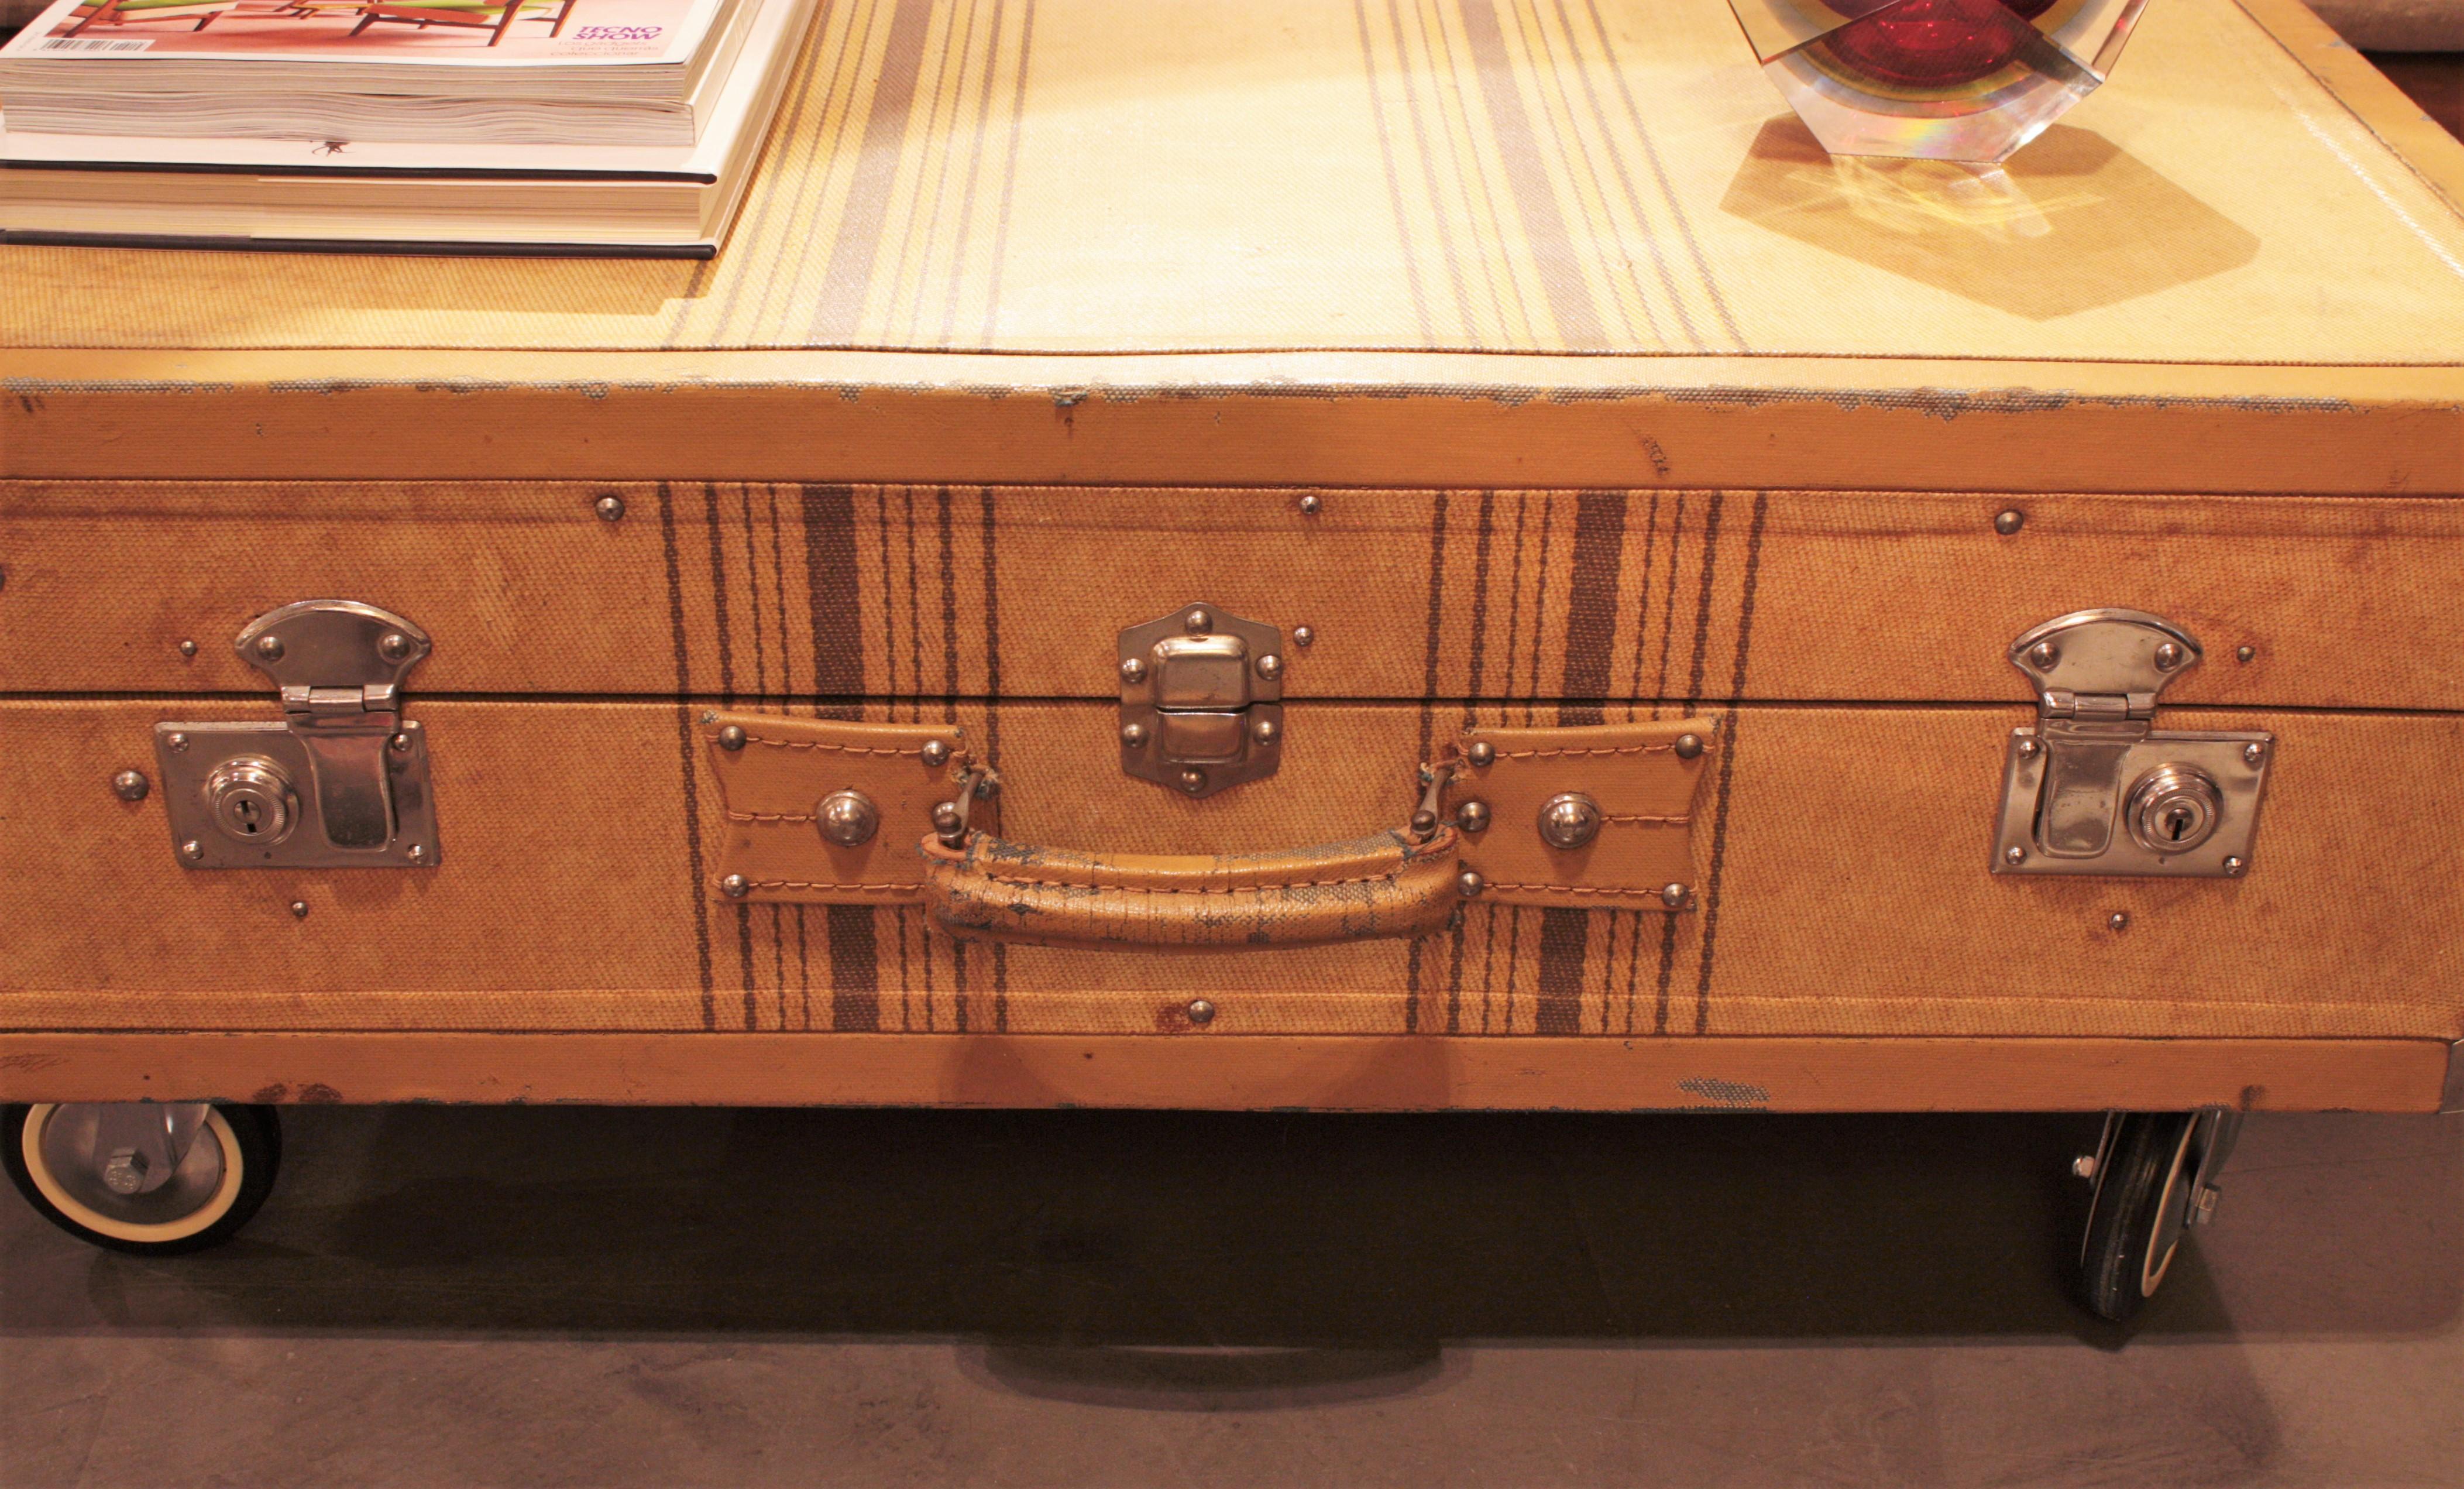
x=1201, y=700
x=2095, y=787
x=340, y=781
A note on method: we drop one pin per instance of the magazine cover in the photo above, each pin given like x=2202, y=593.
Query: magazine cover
x=379, y=32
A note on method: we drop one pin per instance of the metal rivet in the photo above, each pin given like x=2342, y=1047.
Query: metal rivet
x=2010, y=521
x=1674, y=896
x=1568, y=820
x=1134, y=669
x=415, y=852
x=2015, y=855
x=2030, y=750
x=300, y=909
x=734, y=886
x=1472, y=816
x=1133, y=735
x=1470, y=884
x=609, y=507
x=193, y=850
x=1263, y=731
x=848, y=818
x=270, y=647
x=733, y=736
x=2233, y=867
x=2252, y=754
x=1424, y=822
x=2119, y=920
x=2170, y=656
x=2043, y=654
x=2246, y=654
x=1200, y=1012
x=1197, y=621
x=1690, y=747
x=393, y=646
x=1312, y=505
x=946, y=820
x=130, y=786
x=187, y=648
x=401, y=743
x=936, y=753
x=1192, y=780
x=1304, y=636
x=1270, y=666
x=177, y=742
x=1481, y=754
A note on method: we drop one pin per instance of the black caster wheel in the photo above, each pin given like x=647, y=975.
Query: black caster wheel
x=85, y=1168
x=2143, y=1184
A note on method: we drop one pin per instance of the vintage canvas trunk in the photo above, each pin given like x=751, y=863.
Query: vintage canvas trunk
x=1666, y=509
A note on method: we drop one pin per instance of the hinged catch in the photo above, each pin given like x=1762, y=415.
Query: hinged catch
x=341, y=781
x=1201, y=700
x=2095, y=787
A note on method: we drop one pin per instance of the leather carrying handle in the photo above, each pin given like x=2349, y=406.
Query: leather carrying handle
x=1386, y=886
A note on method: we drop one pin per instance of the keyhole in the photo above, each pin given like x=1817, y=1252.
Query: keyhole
x=249, y=818
x=2177, y=823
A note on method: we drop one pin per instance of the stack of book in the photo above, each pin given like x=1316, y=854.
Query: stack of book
x=561, y=127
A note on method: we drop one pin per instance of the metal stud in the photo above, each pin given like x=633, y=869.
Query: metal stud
x=193, y=850
x=1197, y=622
x=609, y=507
x=130, y=786
x=2030, y=749
x=1312, y=505
x=1192, y=780
x=2043, y=654
x=187, y=648
x=1263, y=731
x=736, y=886
x=2234, y=868
x=399, y=744
x=1424, y=822
x=270, y=647
x=1690, y=747
x=177, y=742
x=1270, y=666
x=1568, y=820
x=947, y=821
x=2245, y=655
x=848, y=818
x=1472, y=816
x=1200, y=1012
x=2010, y=521
x=732, y=738
x=1133, y=735
x=1304, y=636
x=416, y=852
x=935, y=753
x=2252, y=754
x=1674, y=896
x=1470, y=884
x=1134, y=669
x=2015, y=855
x=1481, y=754
x=300, y=909
x=2170, y=656
x=2118, y=921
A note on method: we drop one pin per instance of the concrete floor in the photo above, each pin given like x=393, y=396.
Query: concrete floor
x=472, y=1297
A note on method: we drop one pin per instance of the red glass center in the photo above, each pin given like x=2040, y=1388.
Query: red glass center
x=1937, y=43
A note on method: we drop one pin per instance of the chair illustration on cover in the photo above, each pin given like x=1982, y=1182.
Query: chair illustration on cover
x=121, y=13
x=495, y=16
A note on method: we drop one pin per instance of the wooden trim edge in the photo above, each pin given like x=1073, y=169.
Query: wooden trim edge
x=1244, y=1074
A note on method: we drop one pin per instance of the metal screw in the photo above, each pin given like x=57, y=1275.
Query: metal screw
x=733, y=736
x=2015, y=855
x=393, y=646
x=935, y=753
x=1134, y=669
x=2119, y=920
x=2170, y=656
x=416, y=852
x=1192, y=780
x=1270, y=666
x=1472, y=816
x=2246, y=654
x=1568, y=820
x=2204, y=1208
x=270, y=647
x=1133, y=735
x=401, y=743
x=300, y=909
x=2234, y=868
x=178, y=742
x=1674, y=896
x=124, y=1172
x=2043, y=654
x=1263, y=731
x=131, y=786
x=1690, y=747
x=734, y=886
x=2030, y=750
x=1304, y=636
x=946, y=820
x=1200, y=1012
x=848, y=818
x=2252, y=754
x=1197, y=621
x=1424, y=822
x=609, y=507
x=2084, y=1165
x=1470, y=884
x=2010, y=521
x=187, y=648
x=193, y=850
x=1312, y=505
x=1481, y=754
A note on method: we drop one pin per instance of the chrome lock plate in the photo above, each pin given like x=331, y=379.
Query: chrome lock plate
x=1202, y=700
x=340, y=781
x=2095, y=787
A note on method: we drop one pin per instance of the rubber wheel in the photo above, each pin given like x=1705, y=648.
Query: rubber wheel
x=228, y=1172
x=2141, y=1207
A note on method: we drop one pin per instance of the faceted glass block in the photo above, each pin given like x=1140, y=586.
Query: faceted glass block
x=1942, y=79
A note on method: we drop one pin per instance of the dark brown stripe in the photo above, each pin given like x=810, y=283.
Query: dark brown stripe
x=855, y=969
x=1632, y=967
x=1454, y=977
x=778, y=594
x=1540, y=605
x=1527, y=175
x=753, y=596
x=1485, y=531
x=1514, y=598
x=1591, y=604
x=1563, y=937
x=837, y=610
x=1729, y=764
x=1668, y=601
x=1009, y=170
x=1513, y=964
x=889, y=608
x=839, y=308
x=1394, y=194
x=1667, y=971
x=687, y=753
x=744, y=960
x=1436, y=620
x=992, y=637
x=1488, y=967
x=1702, y=607
x=949, y=608
x=1643, y=601
x=803, y=979
x=718, y=588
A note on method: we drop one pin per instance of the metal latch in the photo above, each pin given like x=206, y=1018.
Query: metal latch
x=2095, y=787
x=340, y=781
x=1201, y=700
